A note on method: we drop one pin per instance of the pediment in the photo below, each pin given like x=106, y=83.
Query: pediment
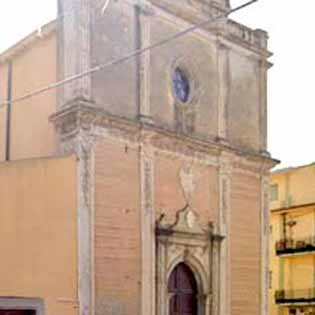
x=187, y=221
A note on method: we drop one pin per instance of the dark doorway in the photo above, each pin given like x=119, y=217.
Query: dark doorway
x=17, y=312
x=183, y=287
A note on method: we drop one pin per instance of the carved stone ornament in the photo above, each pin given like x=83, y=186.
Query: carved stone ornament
x=187, y=221
x=187, y=241
x=188, y=181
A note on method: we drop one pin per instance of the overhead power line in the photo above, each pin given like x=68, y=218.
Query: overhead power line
x=129, y=56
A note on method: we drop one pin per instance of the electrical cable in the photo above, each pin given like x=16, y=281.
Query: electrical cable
x=128, y=56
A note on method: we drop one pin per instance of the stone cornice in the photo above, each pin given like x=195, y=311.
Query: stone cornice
x=28, y=41
x=231, y=32
x=96, y=122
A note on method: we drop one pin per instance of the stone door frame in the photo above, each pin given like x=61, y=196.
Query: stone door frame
x=186, y=241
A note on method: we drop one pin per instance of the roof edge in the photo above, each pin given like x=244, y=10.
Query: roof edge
x=290, y=169
x=27, y=41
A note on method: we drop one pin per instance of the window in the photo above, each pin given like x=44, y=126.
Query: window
x=274, y=192
x=21, y=306
x=181, y=85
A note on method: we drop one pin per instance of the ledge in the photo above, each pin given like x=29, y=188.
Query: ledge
x=83, y=115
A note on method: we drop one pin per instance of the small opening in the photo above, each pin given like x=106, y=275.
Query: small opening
x=274, y=191
x=181, y=85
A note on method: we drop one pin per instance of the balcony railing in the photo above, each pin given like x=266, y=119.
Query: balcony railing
x=292, y=246
x=295, y=296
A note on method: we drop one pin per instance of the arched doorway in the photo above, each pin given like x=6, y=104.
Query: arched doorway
x=182, y=287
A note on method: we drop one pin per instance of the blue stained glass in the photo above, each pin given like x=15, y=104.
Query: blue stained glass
x=181, y=85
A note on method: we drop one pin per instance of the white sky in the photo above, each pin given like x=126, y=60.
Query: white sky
x=290, y=96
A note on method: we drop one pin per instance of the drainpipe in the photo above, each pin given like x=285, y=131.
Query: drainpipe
x=8, y=124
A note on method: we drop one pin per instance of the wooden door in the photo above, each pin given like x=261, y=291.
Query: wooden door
x=183, y=289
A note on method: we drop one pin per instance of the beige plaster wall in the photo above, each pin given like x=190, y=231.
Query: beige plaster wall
x=38, y=232
x=31, y=133
x=295, y=186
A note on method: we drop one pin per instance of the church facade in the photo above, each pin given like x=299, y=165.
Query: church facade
x=172, y=161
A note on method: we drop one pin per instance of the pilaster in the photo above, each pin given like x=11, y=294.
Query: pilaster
x=224, y=88
x=225, y=173
x=263, y=68
x=83, y=146
x=147, y=230
x=144, y=29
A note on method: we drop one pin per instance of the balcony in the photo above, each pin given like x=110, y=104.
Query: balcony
x=306, y=296
x=291, y=246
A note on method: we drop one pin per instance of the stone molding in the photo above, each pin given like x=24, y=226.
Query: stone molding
x=186, y=240
x=96, y=123
x=234, y=34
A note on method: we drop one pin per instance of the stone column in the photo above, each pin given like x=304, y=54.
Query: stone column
x=225, y=173
x=74, y=49
x=147, y=231
x=224, y=88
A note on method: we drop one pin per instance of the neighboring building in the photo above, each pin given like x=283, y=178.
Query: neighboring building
x=293, y=241
x=38, y=228
x=171, y=176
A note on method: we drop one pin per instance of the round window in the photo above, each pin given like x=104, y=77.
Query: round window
x=181, y=85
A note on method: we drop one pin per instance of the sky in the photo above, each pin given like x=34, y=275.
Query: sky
x=291, y=97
